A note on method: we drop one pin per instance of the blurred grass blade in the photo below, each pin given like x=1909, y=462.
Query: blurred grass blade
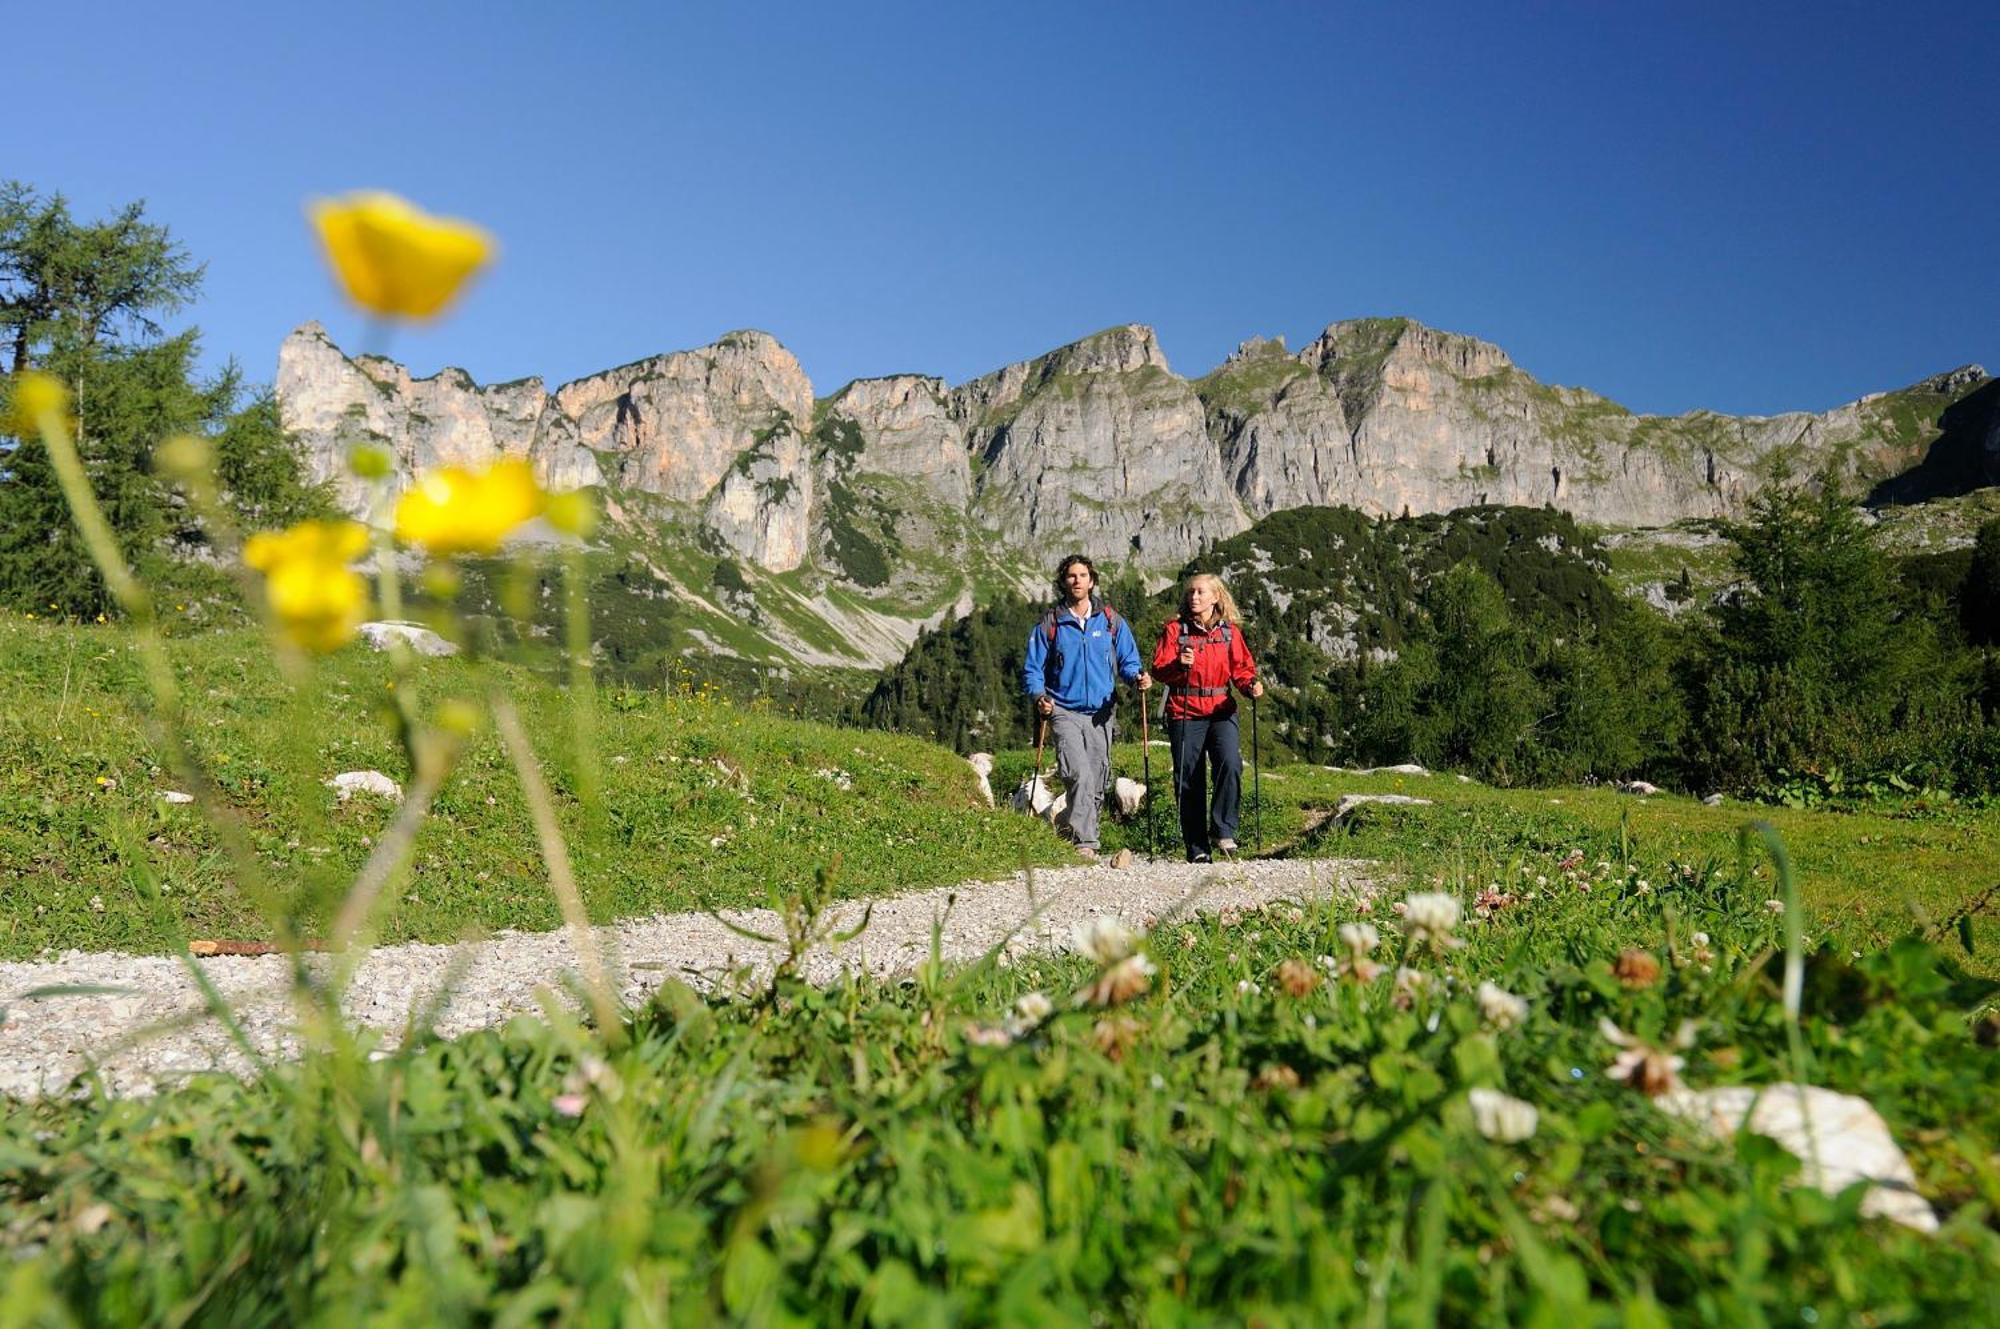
x=76, y=990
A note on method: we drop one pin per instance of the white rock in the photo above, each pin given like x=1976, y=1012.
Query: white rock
x=1841, y=1140
x=1712, y=801
x=1401, y=768
x=349, y=783
x=414, y=635
x=1349, y=802
x=1129, y=793
x=176, y=796
x=1639, y=787
x=1035, y=797
x=982, y=766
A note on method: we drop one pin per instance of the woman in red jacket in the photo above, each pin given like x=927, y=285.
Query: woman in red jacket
x=1200, y=655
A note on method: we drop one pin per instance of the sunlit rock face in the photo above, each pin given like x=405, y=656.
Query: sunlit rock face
x=1099, y=446
x=903, y=426
x=333, y=402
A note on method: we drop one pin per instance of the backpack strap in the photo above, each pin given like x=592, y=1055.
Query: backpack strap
x=1053, y=662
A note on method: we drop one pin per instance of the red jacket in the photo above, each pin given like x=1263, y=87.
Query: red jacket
x=1221, y=657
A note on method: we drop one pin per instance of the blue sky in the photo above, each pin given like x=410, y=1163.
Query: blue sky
x=1749, y=208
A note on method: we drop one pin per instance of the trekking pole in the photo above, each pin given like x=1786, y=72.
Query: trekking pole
x=1146, y=767
x=1256, y=775
x=1173, y=756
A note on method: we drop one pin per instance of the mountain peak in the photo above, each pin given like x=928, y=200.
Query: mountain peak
x=1119, y=350
x=1379, y=339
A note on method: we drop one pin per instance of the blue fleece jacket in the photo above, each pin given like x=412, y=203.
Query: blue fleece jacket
x=1089, y=656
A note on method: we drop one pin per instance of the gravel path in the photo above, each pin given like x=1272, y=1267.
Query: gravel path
x=154, y=1030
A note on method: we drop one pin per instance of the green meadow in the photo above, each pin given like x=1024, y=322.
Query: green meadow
x=1263, y=1129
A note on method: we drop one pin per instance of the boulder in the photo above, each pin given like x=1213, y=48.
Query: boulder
x=1349, y=802
x=1840, y=1138
x=1129, y=795
x=349, y=783
x=1712, y=801
x=982, y=766
x=1639, y=787
x=1037, y=798
x=414, y=635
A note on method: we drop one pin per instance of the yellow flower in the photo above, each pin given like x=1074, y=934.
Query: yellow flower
x=35, y=397
x=459, y=510
x=395, y=259
x=317, y=599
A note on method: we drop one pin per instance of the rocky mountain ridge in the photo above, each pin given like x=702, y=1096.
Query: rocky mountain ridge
x=888, y=488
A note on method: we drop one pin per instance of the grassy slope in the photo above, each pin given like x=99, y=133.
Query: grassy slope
x=679, y=770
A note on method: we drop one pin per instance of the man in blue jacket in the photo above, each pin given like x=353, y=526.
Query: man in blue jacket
x=1076, y=655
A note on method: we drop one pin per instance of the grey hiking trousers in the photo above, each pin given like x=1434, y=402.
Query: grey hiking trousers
x=1083, y=760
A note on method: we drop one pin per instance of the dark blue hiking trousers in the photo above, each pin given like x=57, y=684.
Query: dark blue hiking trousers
x=1198, y=745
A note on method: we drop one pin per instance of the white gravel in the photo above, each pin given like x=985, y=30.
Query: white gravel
x=155, y=1029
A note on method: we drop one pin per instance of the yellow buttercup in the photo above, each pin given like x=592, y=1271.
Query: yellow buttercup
x=466, y=510
x=35, y=397
x=317, y=599
x=395, y=259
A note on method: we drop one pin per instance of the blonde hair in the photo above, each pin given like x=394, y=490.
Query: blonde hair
x=1225, y=604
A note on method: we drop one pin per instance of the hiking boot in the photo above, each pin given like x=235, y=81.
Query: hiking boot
x=1227, y=848
x=1088, y=853
x=1200, y=856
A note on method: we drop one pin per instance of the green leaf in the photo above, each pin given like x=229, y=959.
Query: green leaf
x=749, y=1274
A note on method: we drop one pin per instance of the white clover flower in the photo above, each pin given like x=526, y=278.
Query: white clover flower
x=1429, y=918
x=1502, y=1118
x=1359, y=938
x=1652, y=1071
x=1501, y=1009
x=1246, y=988
x=1034, y=1007
x=1119, y=982
x=1774, y=906
x=1105, y=939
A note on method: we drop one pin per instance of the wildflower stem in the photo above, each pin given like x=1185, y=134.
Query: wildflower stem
x=393, y=848
x=1795, y=964
x=137, y=603
x=556, y=855
x=582, y=681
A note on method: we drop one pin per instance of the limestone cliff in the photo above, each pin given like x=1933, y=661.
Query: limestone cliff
x=1100, y=446
x=1097, y=447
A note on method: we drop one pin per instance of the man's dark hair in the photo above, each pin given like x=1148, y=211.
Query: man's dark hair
x=1062, y=571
